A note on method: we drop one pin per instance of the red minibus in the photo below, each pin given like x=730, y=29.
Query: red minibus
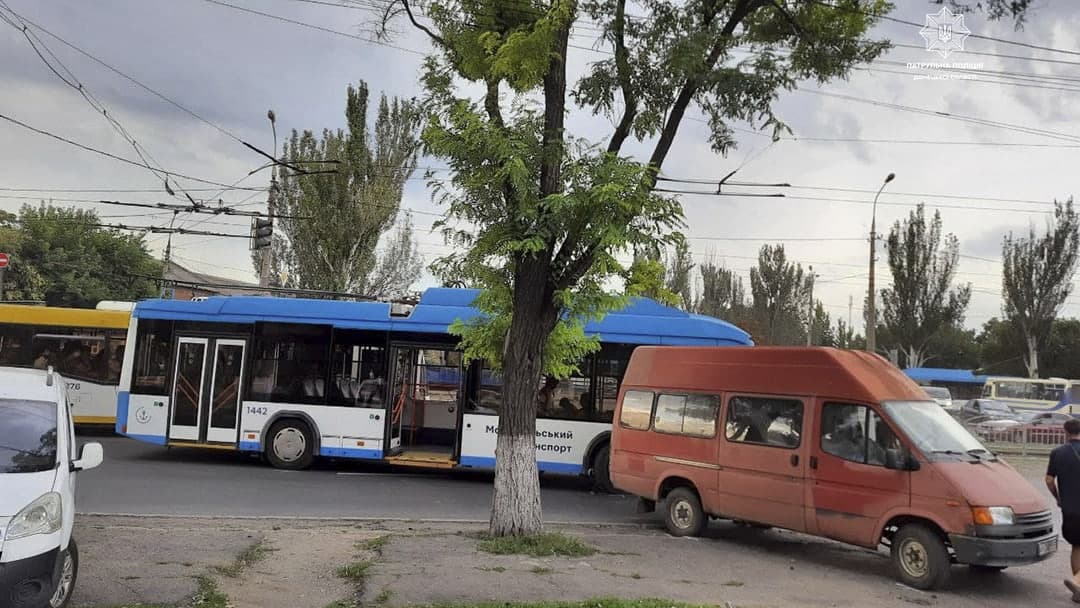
x=834, y=443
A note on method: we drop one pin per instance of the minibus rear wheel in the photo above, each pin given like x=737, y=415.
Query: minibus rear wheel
x=920, y=558
x=683, y=514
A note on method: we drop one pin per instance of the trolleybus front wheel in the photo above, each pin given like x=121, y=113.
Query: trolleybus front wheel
x=290, y=445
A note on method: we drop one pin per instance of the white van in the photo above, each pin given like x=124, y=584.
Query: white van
x=39, y=561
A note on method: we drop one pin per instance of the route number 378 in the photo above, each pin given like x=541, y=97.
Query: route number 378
x=257, y=410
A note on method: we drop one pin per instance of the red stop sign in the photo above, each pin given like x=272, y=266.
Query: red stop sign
x=4, y=259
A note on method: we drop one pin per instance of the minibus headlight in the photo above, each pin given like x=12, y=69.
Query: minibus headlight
x=993, y=516
x=43, y=516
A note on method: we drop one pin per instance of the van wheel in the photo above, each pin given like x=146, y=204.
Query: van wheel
x=683, y=514
x=65, y=582
x=920, y=558
x=290, y=445
x=601, y=466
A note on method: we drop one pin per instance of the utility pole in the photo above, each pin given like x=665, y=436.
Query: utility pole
x=850, y=305
x=265, y=257
x=810, y=312
x=871, y=311
x=168, y=257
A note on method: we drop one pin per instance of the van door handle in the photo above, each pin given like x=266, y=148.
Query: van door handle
x=794, y=460
x=813, y=462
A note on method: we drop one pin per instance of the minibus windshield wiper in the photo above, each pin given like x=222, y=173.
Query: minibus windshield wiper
x=977, y=452
x=955, y=453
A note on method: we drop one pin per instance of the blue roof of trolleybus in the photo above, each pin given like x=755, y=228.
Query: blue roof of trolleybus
x=940, y=374
x=643, y=321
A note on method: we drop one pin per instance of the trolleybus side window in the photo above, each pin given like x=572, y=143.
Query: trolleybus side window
x=567, y=398
x=611, y=365
x=152, y=355
x=358, y=369
x=290, y=363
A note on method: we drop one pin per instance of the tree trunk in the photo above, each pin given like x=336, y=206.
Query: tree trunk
x=1032, y=359
x=515, y=509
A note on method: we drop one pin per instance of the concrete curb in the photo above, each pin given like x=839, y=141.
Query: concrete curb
x=330, y=519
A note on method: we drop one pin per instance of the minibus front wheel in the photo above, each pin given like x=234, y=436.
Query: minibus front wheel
x=683, y=514
x=920, y=558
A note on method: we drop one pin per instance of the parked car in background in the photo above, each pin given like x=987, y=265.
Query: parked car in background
x=39, y=561
x=983, y=410
x=1049, y=419
x=940, y=395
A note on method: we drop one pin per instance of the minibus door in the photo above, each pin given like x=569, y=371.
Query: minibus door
x=851, y=488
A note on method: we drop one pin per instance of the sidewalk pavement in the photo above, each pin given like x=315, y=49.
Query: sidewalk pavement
x=297, y=563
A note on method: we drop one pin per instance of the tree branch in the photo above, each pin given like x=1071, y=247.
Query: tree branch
x=577, y=268
x=622, y=70
x=423, y=28
x=678, y=109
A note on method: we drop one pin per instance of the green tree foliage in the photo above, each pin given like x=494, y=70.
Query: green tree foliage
x=60, y=256
x=821, y=329
x=922, y=300
x=780, y=293
x=844, y=336
x=1037, y=278
x=722, y=292
x=664, y=276
x=334, y=222
x=1002, y=349
x=546, y=216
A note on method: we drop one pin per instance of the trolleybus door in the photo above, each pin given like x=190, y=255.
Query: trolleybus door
x=187, y=390
x=206, y=389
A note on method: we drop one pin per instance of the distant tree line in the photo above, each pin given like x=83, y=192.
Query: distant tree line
x=922, y=311
x=63, y=257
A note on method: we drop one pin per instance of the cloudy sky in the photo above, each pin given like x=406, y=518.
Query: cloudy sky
x=229, y=67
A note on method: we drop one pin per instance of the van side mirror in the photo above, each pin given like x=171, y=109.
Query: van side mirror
x=900, y=459
x=92, y=455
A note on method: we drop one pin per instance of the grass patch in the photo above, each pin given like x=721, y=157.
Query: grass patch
x=355, y=571
x=635, y=575
x=540, y=570
x=373, y=544
x=247, y=557
x=384, y=596
x=542, y=545
x=208, y=595
x=734, y=584
x=491, y=568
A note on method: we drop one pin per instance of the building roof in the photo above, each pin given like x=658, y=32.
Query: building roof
x=643, y=321
x=206, y=282
x=941, y=374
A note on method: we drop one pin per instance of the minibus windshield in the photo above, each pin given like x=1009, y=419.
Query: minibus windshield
x=933, y=430
x=27, y=436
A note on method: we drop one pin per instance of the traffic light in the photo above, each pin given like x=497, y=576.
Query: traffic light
x=262, y=233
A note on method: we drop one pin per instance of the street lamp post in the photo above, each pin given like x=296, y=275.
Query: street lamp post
x=871, y=311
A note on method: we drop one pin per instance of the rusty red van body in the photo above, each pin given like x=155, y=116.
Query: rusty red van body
x=834, y=443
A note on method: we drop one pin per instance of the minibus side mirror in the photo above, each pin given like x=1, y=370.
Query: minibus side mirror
x=900, y=460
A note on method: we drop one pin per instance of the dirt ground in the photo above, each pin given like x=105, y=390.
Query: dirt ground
x=156, y=560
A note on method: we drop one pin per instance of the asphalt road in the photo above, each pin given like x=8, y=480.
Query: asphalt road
x=144, y=479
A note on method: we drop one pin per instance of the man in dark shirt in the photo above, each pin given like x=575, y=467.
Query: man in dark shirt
x=1063, y=480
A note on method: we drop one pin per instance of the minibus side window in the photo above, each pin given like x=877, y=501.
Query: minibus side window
x=636, y=410
x=856, y=433
x=693, y=415
x=765, y=421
